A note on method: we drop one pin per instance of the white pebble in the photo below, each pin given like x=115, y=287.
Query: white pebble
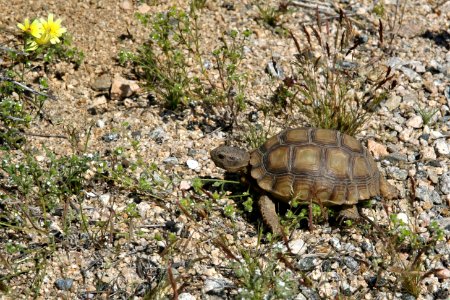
x=192, y=164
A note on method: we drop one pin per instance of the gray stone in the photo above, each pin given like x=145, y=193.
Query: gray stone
x=397, y=173
x=215, y=285
x=444, y=183
x=300, y=297
x=102, y=83
x=192, y=164
x=307, y=264
x=395, y=62
x=100, y=123
x=411, y=74
x=396, y=156
x=423, y=193
x=335, y=243
x=351, y=263
x=415, y=122
x=393, y=102
x=171, y=160
x=366, y=246
x=186, y=296
x=158, y=134
x=442, y=147
x=298, y=246
x=447, y=94
x=407, y=296
x=310, y=293
x=435, y=197
x=428, y=153
x=110, y=137
x=64, y=284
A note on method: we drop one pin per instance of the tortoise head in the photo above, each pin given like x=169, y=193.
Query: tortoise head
x=232, y=159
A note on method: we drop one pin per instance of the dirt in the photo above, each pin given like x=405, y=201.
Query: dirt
x=140, y=253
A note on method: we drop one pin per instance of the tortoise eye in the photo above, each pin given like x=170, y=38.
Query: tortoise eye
x=221, y=156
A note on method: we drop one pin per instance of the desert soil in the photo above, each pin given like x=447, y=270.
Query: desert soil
x=338, y=260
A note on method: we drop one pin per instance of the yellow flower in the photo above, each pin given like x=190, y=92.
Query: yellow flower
x=35, y=28
x=52, y=30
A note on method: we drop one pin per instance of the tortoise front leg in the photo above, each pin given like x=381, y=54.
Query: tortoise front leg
x=269, y=215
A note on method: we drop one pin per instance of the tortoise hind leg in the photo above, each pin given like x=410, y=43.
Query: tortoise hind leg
x=348, y=212
x=269, y=215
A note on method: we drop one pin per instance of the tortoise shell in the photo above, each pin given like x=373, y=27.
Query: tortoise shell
x=321, y=165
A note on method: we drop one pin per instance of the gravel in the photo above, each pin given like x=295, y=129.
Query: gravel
x=136, y=237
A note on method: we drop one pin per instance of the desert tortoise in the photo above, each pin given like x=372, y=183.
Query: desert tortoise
x=322, y=166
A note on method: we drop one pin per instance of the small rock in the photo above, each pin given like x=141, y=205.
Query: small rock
x=444, y=223
x=158, y=134
x=435, y=197
x=171, y=160
x=126, y=5
x=274, y=69
x=396, y=156
x=185, y=185
x=110, y=137
x=443, y=273
x=192, y=164
x=143, y=9
x=326, y=266
x=216, y=285
x=335, y=243
x=403, y=217
x=104, y=199
x=378, y=150
x=64, y=284
x=102, y=83
x=351, y=263
x=411, y=74
x=307, y=264
x=300, y=297
x=99, y=102
x=427, y=153
x=253, y=116
x=397, y=173
x=415, y=122
x=407, y=296
x=393, y=102
x=143, y=208
x=136, y=135
x=405, y=135
x=122, y=88
x=395, y=62
x=442, y=147
x=174, y=227
x=297, y=246
x=309, y=293
x=447, y=94
x=435, y=134
x=100, y=123
x=366, y=246
x=444, y=183
x=423, y=193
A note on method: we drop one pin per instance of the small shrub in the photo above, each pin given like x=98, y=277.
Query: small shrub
x=175, y=67
x=331, y=91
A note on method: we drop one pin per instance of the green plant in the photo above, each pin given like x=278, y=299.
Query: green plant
x=261, y=277
x=42, y=41
x=174, y=66
x=271, y=15
x=427, y=114
x=330, y=91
